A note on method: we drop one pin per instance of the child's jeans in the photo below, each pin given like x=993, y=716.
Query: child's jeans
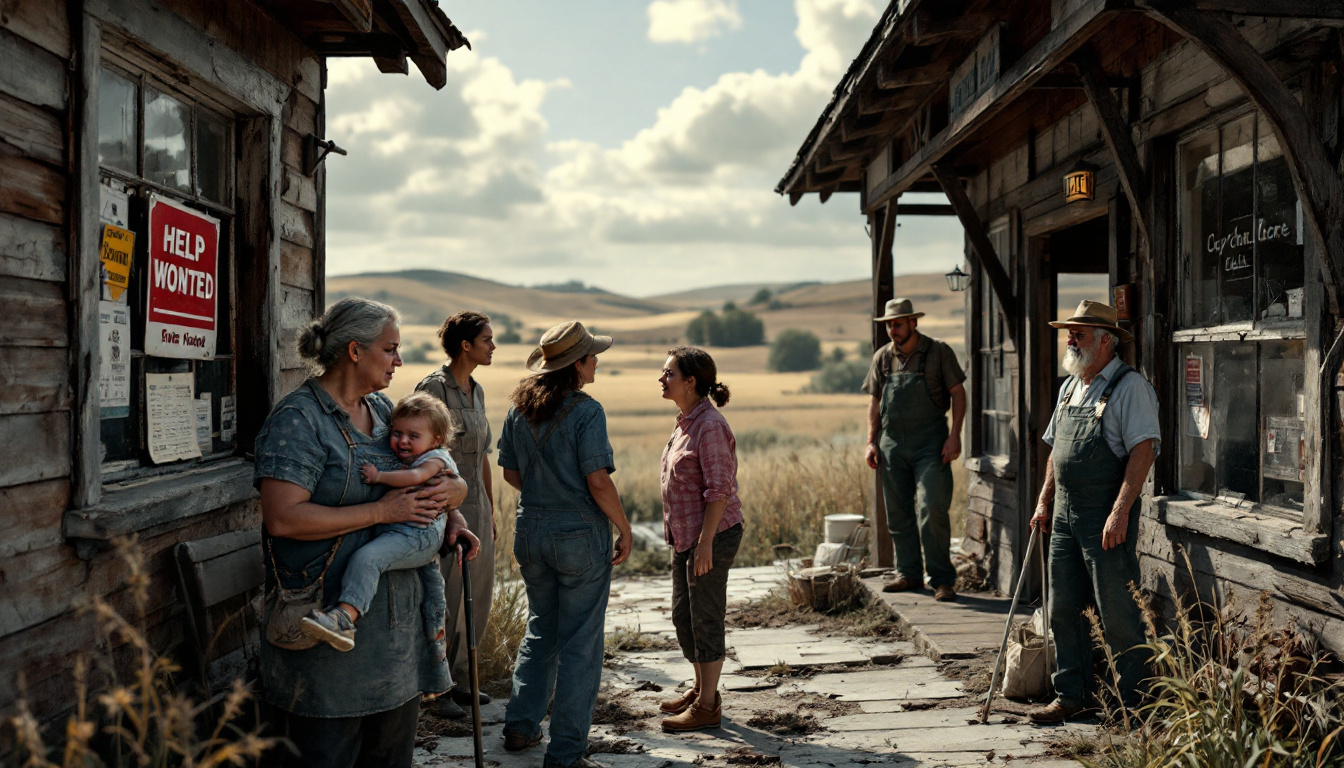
x=395, y=547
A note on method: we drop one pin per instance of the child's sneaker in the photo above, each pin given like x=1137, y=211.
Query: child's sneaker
x=334, y=627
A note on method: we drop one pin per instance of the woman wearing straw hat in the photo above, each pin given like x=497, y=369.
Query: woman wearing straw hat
x=554, y=449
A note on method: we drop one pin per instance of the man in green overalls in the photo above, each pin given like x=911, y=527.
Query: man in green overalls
x=913, y=381
x=1103, y=437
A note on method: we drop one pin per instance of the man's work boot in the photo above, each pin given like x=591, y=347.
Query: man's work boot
x=1057, y=711
x=945, y=594
x=903, y=584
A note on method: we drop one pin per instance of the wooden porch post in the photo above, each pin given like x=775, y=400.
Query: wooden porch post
x=1119, y=138
x=882, y=225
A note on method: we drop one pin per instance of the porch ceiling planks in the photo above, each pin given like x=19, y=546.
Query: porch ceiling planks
x=1325, y=10
x=982, y=250
x=1319, y=184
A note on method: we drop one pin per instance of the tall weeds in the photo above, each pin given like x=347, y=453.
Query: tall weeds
x=139, y=718
x=1228, y=690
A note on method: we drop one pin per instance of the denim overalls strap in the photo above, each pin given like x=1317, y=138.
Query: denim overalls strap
x=1087, y=472
x=910, y=418
x=539, y=444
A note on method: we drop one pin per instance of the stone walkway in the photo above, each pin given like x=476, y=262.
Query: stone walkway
x=842, y=701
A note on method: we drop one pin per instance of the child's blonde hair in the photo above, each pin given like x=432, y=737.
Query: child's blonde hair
x=428, y=406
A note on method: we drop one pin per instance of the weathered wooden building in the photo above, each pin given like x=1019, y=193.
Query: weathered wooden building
x=1187, y=153
x=161, y=247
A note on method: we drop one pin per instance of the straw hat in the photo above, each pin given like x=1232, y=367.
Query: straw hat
x=897, y=309
x=564, y=345
x=1094, y=314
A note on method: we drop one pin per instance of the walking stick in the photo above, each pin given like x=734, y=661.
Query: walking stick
x=474, y=674
x=1007, y=627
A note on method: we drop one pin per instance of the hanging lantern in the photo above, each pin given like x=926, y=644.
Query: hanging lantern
x=957, y=280
x=1080, y=183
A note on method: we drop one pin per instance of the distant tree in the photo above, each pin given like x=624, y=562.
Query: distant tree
x=776, y=304
x=843, y=378
x=837, y=355
x=740, y=329
x=704, y=330
x=761, y=296
x=729, y=306
x=508, y=336
x=794, y=350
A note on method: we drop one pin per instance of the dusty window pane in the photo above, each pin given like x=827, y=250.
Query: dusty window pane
x=1279, y=251
x=1235, y=242
x=167, y=153
x=212, y=156
x=116, y=121
x=1199, y=226
x=1235, y=427
x=1198, y=457
x=1282, y=409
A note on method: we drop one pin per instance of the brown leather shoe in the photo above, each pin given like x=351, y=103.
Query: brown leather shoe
x=517, y=742
x=695, y=718
x=945, y=594
x=903, y=584
x=1057, y=711
x=679, y=704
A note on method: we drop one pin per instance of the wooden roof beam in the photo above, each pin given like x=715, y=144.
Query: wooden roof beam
x=889, y=77
x=982, y=249
x=1319, y=186
x=882, y=102
x=862, y=127
x=1321, y=10
x=924, y=30
x=357, y=12
x=1117, y=133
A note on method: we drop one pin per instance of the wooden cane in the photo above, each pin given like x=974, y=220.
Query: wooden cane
x=473, y=674
x=1008, y=626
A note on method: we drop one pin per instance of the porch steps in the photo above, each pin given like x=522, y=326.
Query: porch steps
x=964, y=629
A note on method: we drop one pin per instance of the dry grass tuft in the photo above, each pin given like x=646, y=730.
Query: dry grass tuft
x=498, y=647
x=139, y=718
x=626, y=640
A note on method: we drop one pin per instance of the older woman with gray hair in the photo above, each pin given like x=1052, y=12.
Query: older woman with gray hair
x=360, y=707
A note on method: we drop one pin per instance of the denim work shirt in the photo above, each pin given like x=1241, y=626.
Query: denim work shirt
x=1130, y=416
x=304, y=442
x=555, y=478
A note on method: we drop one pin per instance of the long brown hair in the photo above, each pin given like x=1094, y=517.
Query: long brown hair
x=538, y=398
x=696, y=363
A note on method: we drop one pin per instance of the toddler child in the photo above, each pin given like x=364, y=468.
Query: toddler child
x=418, y=428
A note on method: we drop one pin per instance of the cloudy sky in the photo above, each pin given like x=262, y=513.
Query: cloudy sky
x=631, y=144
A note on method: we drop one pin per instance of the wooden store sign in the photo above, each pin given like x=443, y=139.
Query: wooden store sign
x=977, y=73
x=183, y=260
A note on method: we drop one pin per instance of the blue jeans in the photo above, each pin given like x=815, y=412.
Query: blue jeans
x=395, y=547
x=565, y=560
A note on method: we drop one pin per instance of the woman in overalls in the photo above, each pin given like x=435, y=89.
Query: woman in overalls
x=469, y=341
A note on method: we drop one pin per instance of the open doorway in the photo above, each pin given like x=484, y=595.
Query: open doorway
x=1080, y=269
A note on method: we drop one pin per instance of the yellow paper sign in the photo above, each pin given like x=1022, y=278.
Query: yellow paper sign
x=118, y=245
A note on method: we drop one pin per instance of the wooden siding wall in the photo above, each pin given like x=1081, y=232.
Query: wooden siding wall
x=1180, y=89
x=41, y=578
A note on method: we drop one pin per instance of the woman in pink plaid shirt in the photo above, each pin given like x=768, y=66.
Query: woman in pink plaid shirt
x=702, y=520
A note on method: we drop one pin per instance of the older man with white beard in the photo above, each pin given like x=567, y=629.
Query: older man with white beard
x=1103, y=437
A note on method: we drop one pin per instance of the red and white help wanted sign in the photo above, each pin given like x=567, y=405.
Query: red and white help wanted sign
x=183, y=254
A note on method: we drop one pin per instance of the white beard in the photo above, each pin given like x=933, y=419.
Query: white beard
x=1076, y=359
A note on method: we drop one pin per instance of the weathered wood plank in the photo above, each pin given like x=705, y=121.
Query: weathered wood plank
x=31, y=74
x=31, y=131
x=291, y=379
x=31, y=249
x=299, y=190
x=300, y=114
x=296, y=308
x=163, y=504
x=85, y=265
x=32, y=314
x=46, y=24
x=32, y=189
x=291, y=150
x=34, y=380
x=30, y=516
x=296, y=266
x=17, y=438
x=296, y=225
x=1272, y=535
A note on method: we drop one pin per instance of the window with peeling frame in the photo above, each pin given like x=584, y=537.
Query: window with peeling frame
x=1241, y=338
x=156, y=143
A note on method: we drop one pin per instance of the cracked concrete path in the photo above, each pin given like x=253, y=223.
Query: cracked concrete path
x=845, y=701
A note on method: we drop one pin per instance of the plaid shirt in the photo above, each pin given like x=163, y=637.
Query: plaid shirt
x=699, y=467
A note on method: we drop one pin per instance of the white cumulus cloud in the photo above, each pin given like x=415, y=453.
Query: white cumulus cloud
x=691, y=21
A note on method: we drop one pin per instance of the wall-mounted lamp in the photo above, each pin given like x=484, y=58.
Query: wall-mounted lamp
x=1080, y=184
x=957, y=280
x=315, y=150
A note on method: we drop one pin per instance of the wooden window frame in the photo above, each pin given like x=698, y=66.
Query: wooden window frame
x=101, y=512
x=1305, y=536
x=1002, y=465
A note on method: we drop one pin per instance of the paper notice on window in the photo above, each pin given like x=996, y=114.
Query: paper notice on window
x=114, y=374
x=227, y=417
x=1196, y=398
x=170, y=417
x=203, y=422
